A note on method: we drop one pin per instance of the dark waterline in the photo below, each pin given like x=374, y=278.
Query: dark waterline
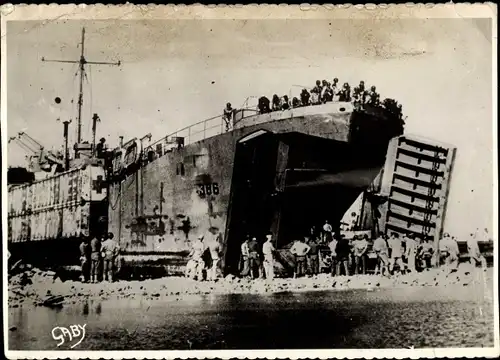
x=419, y=317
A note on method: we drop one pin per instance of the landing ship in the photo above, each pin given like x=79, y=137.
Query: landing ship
x=277, y=172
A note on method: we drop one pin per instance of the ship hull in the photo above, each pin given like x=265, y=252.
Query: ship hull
x=280, y=172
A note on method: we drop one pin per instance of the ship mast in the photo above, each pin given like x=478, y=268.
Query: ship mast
x=82, y=74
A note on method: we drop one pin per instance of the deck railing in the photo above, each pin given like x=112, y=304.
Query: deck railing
x=203, y=129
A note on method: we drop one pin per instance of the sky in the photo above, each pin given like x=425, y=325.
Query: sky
x=178, y=72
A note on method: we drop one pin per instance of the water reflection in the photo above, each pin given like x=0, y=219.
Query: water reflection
x=85, y=308
x=348, y=319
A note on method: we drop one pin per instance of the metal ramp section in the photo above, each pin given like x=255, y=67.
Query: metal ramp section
x=416, y=183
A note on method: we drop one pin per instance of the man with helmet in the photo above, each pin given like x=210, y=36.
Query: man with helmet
x=335, y=88
x=359, y=93
x=304, y=97
x=276, y=103
x=316, y=93
x=345, y=93
x=326, y=92
x=373, y=96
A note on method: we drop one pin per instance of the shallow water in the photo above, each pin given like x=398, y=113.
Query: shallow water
x=419, y=317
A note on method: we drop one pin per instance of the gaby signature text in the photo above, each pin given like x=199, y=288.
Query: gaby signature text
x=63, y=334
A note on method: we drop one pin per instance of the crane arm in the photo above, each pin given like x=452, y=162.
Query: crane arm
x=23, y=145
x=26, y=138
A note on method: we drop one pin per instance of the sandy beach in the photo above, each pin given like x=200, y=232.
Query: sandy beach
x=33, y=286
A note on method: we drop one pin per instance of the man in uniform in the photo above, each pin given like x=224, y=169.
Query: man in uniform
x=327, y=232
x=299, y=249
x=228, y=116
x=254, y=258
x=373, y=96
x=197, y=252
x=264, y=105
x=316, y=93
x=95, y=258
x=343, y=251
x=109, y=250
x=360, y=245
x=345, y=93
x=267, y=251
x=396, y=246
x=215, y=249
x=335, y=88
x=448, y=249
x=85, y=260
x=285, y=103
x=304, y=97
x=326, y=92
x=312, y=256
x=276, y=103
x=381, y=249
x=332, y=245
x=410, y=252
x=99, y=148
x=474, y=252
x=245, y=261
x=359, y=93
x=425, y=251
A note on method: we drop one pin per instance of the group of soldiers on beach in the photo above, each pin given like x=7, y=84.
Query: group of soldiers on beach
x=99, y=258
x=331, y=251
x=323, y=92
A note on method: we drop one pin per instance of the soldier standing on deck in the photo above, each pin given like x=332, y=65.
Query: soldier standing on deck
x=316, y=93
x=228, y=116
x=359, y=93
x=276, y=103
x=264, y=105
x=335, y=88
x=304, y=97
x=345, y=93
x=373, y=96
x=285, y=103
x=95, y=258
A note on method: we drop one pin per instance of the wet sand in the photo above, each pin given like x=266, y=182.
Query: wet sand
x=34, y=285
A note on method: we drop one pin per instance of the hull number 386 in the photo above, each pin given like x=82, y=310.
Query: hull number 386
x=208, y=189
